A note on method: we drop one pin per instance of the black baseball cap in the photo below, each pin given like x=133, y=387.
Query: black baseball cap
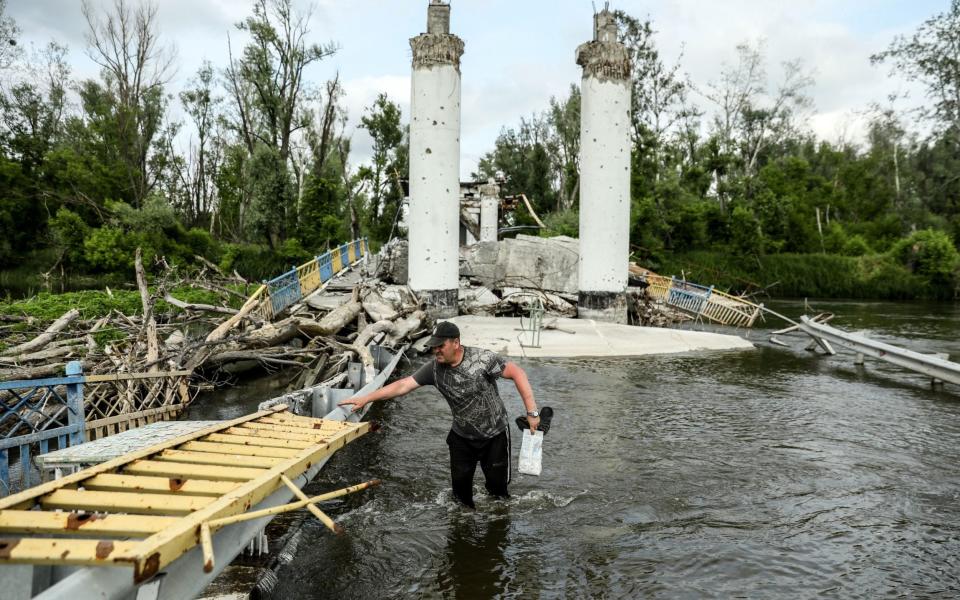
x=444, y=330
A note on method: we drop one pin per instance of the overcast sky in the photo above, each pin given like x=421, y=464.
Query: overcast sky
x=519, y=53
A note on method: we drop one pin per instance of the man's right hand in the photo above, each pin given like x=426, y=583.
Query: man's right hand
x=356, y=403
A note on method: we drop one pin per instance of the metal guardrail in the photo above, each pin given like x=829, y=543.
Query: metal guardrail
x=41, y=415
x=933, y=366
x=37, y=412
x=284, y=291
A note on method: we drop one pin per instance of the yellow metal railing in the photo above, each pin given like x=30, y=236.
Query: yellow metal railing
x=287, y=289
x=702, y=301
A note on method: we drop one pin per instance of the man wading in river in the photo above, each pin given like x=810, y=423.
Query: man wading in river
x=467, y=378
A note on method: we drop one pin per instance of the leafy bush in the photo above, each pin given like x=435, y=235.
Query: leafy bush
x=801, y=275
x=106, y=249
x=855, y=245
x=745, y=234
x=199, y=242
x=929, y=253
x=68, y=231
x=561, y=223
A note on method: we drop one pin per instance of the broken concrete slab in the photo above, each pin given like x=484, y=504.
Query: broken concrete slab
x=548, y=264
x=477, y=301
x=584, y=337
x=326, y=300
x=527, y=298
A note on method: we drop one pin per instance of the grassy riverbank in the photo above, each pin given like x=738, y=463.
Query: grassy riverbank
x=94, y=304
x=808, y=275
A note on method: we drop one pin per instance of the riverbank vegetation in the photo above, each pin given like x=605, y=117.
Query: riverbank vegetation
x=731, y=187
x=729, y=184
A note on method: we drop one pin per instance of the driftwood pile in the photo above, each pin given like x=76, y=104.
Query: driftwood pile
x=141, y=343
x=213, y=340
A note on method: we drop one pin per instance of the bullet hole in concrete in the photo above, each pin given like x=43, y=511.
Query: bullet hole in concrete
x=429, y=151
x=434, y=122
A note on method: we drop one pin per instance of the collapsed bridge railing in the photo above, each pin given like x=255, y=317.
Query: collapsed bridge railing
x=40, y=415
x=282, y=292
x=702, y=301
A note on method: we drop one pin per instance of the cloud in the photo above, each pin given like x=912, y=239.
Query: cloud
x=519, y=54
x=360, y=94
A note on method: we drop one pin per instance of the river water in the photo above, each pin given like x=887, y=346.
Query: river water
x=774, y=472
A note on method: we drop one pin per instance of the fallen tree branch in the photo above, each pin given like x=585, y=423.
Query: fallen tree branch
x=223, y=310
x=46, y=337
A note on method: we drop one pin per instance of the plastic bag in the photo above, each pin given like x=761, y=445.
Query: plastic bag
x=531, y=453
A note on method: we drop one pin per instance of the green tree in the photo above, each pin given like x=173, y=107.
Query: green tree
x=201, y=104
x=269, y=92
x=930, y=56
x=388, y=165
x=135, y=67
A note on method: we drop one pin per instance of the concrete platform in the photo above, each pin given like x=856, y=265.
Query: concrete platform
x=583, y=337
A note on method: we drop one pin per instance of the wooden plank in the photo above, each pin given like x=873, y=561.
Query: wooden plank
x=168, y=485
x=211, y=472
x=213, y=458
x=288, y=429
x=26, y=498
x=162, y=548
x=301, y=420
x=309, y=422
x=313, y=508
x=164, y=410
x=63, y=552
x=248, y=440
x=238, y=449
x=126, y=502
x=272, y=431
x=133, y=376
x=74, y=523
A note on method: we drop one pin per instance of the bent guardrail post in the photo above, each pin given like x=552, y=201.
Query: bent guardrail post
x=933, y=366
x=76, y=417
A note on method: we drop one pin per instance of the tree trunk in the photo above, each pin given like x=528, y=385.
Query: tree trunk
x=46, y=337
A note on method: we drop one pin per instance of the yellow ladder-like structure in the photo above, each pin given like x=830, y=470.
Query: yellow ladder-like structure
x=146, y=509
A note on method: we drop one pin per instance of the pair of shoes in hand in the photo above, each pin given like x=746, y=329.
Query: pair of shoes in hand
x=546, y=415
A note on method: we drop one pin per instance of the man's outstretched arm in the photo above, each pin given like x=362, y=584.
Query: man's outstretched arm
x=397, y=388
x=519, y=377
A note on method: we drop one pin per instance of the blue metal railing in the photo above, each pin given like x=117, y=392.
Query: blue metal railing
x=688, y=296
x=326, y=267
x=37, y=412
x=289, y=288
x=284, y=290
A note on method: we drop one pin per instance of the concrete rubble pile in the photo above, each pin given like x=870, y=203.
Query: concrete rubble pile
x=509, y=277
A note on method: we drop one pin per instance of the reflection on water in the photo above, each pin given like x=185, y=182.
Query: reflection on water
x=473, y=564
x=765, y=473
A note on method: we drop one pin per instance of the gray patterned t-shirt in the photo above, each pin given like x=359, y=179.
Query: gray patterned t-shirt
x=470, y=389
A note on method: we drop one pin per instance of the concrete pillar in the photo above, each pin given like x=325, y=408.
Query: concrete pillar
x=433, y=219
x=489, y=210
x=604, y=174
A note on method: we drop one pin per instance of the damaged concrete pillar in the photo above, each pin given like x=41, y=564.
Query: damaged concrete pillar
x=489, y=210
x=435, y=164
x=604, y=173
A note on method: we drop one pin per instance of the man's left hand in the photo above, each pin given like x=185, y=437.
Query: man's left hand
x=534, y=423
